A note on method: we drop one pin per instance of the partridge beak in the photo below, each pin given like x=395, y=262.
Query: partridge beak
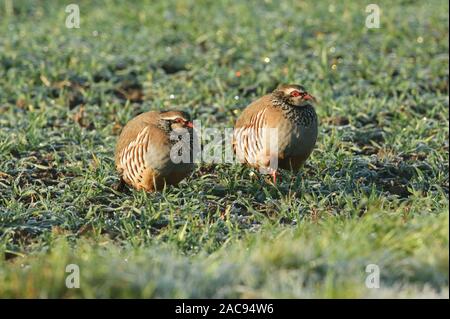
x=189, y=124
x=309, y=97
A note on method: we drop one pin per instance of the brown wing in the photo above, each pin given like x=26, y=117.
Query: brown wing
x=133, y=128
x=251, y=140
x=131, y=160
x=252, y=109
x=135, y=141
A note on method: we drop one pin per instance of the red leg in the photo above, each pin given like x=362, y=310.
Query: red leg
x=274, y=177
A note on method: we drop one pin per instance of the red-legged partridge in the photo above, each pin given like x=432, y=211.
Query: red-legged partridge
x=288, y=109
x=143, y=151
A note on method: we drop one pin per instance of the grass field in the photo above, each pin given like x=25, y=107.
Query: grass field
x=375, y=190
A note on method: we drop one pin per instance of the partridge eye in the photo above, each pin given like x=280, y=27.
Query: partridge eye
x=295, y=93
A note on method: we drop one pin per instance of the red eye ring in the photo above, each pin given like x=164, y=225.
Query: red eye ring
x=185, y=123
x=295, y=93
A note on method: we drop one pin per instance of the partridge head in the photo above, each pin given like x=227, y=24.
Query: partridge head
x=294, y=95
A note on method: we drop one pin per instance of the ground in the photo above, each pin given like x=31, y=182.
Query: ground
x=375, y=190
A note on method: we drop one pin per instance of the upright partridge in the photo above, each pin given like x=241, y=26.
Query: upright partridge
x=289, y=110
x=143, y=151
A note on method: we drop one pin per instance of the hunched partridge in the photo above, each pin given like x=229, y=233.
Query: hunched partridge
x=143, y=151
x=288, y=109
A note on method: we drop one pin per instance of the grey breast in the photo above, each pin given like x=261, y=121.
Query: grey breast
x=304, y=132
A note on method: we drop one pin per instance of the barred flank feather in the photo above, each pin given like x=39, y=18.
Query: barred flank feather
x=249, y=139
x=132, y=158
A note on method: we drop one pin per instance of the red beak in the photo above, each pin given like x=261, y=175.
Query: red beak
x=189, y=124
x=309, y=97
